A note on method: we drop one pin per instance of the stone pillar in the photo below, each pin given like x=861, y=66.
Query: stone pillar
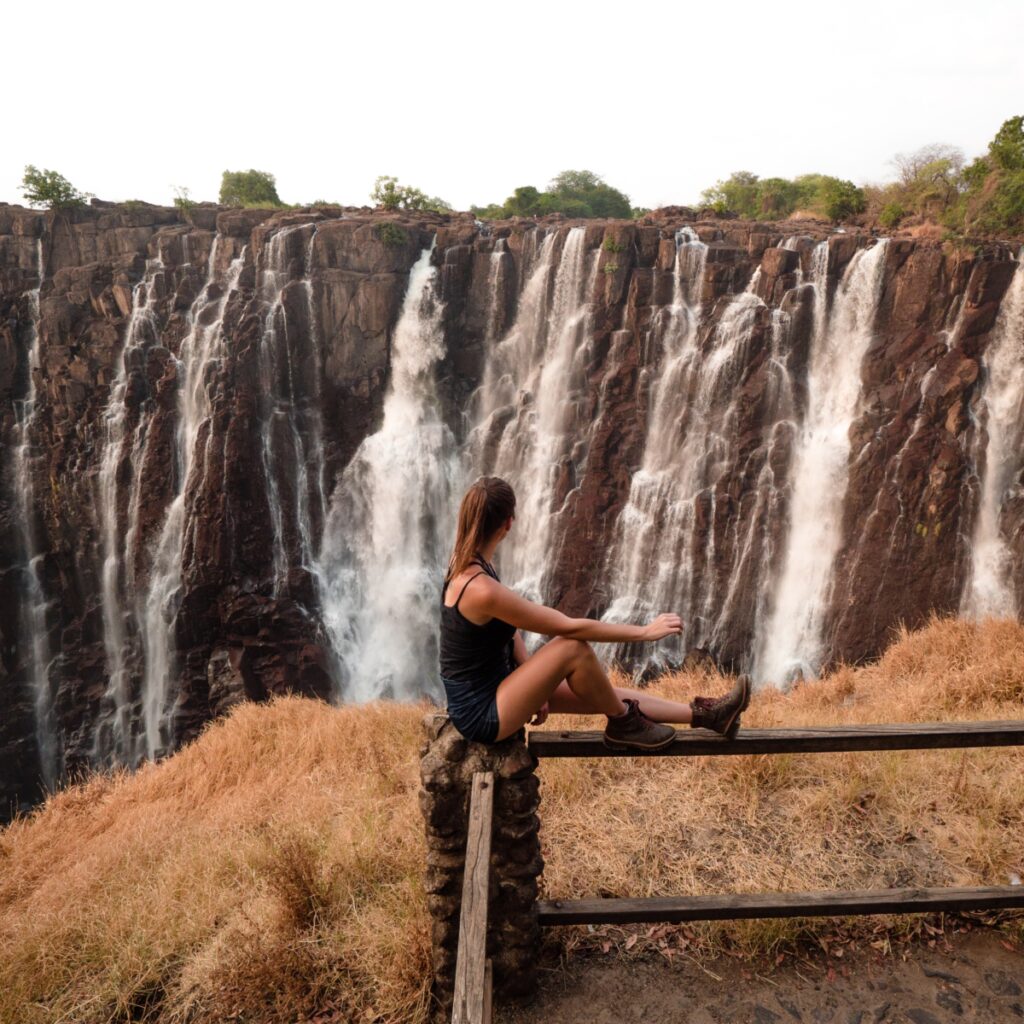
x=448, y=762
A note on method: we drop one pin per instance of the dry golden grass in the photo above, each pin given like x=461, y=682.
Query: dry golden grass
x=274, y=865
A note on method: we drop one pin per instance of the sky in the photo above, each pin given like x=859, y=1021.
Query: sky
x=467, y=101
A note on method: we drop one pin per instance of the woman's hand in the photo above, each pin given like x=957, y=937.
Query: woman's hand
x=541, y=716
x=664, y=625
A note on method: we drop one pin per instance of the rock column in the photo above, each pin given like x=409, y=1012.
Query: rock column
x=447, y=766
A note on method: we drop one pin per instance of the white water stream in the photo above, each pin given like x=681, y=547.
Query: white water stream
x=35, y=605
x=792, y=642
x=990, y=591
x=528, y=402
x=392, y=518
x=201, y=351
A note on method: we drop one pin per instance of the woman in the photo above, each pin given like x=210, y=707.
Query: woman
x=494, y=687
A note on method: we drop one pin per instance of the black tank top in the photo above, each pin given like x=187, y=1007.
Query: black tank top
x=470, y=652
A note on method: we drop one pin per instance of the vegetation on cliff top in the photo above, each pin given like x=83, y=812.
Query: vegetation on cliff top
x=777, y=198
x=933, y=185
x=572, y=193
x=248, y=188
x=50, y=189
x=387, y=192
x=273, y=867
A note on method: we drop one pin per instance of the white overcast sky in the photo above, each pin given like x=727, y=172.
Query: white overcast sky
x=469, y=100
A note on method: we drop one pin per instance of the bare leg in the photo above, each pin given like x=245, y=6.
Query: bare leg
x=561, y=661
x=564, y=702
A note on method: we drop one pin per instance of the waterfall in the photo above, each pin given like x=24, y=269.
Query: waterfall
x=792, y=642
x=123, y=441
x=292, y=449
x=34, y=608
x=499, y=261
x=392, y=519
x=526, y=422
x=990, y=590
x=202, y=348
x=664, y=554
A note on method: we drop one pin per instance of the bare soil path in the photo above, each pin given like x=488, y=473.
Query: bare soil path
x=973, y=978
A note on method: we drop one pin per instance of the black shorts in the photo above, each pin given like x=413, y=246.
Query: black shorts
x=473, y=708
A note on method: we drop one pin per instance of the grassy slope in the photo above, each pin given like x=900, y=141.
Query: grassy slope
x=274, y=864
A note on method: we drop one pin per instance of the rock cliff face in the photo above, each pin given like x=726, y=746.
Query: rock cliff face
x=206, y=424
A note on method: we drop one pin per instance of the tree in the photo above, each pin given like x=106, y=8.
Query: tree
x=387, y=192
x=776, y=197
x=911, y=166
x=50, y=189
x=526, y=201
x=248, y=188
x=1007, y=148
x=840, y=199
x=586, y=194
x=738, y=193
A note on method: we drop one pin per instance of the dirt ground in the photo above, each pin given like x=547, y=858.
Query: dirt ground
x=967, y=978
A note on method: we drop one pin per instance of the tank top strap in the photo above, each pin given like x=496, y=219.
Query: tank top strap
x=486, y=566
x=464, y=585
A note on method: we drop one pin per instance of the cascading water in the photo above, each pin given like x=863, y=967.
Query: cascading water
x=34, y=608
x=201, y=351
x=392, y=518
x=792, y=642
x=990, y=591
x=527, y=403
x=664, y=553
x=115, y=737
x=292, y=449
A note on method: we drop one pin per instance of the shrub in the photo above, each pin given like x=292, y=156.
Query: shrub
x=182, y=200
x=50, y=189
x=248, y=188
x=387, y=192
x=840, y=199
x=891, y=215
x=392, y=235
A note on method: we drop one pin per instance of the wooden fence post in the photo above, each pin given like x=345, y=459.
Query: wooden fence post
x=472, y=979
x=447, y=766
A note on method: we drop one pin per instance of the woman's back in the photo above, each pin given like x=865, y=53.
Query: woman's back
x=470, y=651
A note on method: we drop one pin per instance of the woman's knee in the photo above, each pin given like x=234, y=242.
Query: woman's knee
x=570, y=649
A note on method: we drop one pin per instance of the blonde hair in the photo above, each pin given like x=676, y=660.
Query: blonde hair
x=484, y=507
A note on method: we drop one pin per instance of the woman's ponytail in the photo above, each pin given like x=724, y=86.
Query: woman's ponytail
x=484, y=507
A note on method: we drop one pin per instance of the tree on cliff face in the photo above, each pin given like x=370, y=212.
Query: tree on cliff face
x=50, y=189
x=387, y=192
x=248, y=188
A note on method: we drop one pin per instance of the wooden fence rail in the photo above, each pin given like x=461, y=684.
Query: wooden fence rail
x=834, y=739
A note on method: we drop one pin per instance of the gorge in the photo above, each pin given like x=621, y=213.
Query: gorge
x=232, y=446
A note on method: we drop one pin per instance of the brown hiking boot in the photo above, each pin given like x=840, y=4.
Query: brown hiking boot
x=634, y=730
x=722, y=714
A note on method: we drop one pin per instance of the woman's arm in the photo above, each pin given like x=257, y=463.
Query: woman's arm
x=519, y=651
x=494, y=598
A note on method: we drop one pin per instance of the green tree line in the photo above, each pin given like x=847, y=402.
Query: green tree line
x=934, y=184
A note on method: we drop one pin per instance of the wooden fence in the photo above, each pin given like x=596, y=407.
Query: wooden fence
x=472, y=989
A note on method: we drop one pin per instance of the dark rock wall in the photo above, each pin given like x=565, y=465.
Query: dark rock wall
x=239, y=628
